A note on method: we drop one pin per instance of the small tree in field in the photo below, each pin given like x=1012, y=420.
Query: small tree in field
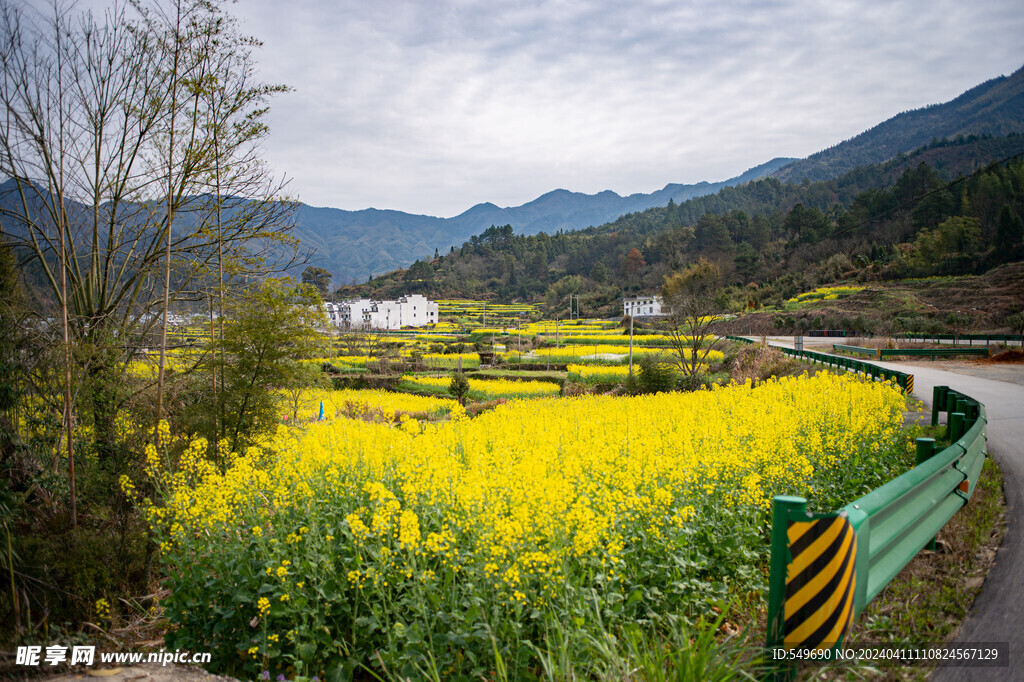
x=690, y=298
x=459, y=388
x=268, y=334
x=300, y=377
x=959, y=323
x=360, y=339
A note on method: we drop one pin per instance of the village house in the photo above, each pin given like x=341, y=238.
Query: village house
x=642, y=306
x=408, y=311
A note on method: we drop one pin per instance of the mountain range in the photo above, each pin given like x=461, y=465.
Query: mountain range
x=353, y=245
x=995, y=108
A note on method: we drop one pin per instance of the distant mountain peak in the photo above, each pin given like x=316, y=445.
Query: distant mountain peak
x=481, y=208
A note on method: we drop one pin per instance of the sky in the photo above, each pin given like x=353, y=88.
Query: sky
x=431, y=107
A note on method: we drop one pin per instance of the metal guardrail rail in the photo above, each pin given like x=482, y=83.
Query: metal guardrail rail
x=856, y=350
x=933, y=352
x=969, y=338
x=882, y=353
x=826, y=568
x=904, y=380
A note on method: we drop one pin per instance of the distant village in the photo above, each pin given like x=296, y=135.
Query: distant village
x=408, y=311
x=416, y=310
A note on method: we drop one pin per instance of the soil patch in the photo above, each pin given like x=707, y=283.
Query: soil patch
x=1013, y=355
x=144, y=672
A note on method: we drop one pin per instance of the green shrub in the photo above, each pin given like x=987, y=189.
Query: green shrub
x=655, y=375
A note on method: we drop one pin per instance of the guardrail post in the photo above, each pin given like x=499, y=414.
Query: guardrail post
x=956, y=427
x=961, y=407
x=925, y=451
x=783, y=509
x=938, y=402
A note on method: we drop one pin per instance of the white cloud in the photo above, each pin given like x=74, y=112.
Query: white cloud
x=432, y=107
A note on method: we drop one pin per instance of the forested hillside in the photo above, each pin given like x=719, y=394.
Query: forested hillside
x=996, y=108
x=950, y=208
x=354, y=244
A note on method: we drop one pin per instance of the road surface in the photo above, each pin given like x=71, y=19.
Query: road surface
x=998, y=612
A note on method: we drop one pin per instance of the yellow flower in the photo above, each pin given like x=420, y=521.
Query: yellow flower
x=408, y=530
x=526, y=498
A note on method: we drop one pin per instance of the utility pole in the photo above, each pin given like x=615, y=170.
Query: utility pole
x=630, y=345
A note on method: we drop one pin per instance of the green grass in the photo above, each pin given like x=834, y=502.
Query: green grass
x=532, y=374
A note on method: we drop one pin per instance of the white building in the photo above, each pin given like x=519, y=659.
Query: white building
x=408, y=311
x=333, y=312
x=642, y=306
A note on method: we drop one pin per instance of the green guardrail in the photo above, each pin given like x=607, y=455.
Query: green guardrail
x=826, y=568
x=856, y=350
x=902, y=379
x=882, y=353
x=933, y=352
x=969, y=338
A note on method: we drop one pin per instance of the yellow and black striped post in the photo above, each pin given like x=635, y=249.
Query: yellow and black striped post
x=813, y=577
x=820, y=581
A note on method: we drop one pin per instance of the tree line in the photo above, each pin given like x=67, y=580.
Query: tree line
x=959, y=214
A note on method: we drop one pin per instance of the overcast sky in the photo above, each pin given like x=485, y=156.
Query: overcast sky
x=431, y=107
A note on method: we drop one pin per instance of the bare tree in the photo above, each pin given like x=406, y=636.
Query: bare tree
x=690, y=298
x=130, y=144
x=361, y=339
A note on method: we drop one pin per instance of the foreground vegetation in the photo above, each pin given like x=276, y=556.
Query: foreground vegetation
x=577, y=536
x=466, y=547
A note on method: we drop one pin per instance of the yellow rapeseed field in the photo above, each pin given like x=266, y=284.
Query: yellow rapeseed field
x=364, y=403
x=400, y=540
x=487, y=389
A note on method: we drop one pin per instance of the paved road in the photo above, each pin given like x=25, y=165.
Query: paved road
x=998, y=612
